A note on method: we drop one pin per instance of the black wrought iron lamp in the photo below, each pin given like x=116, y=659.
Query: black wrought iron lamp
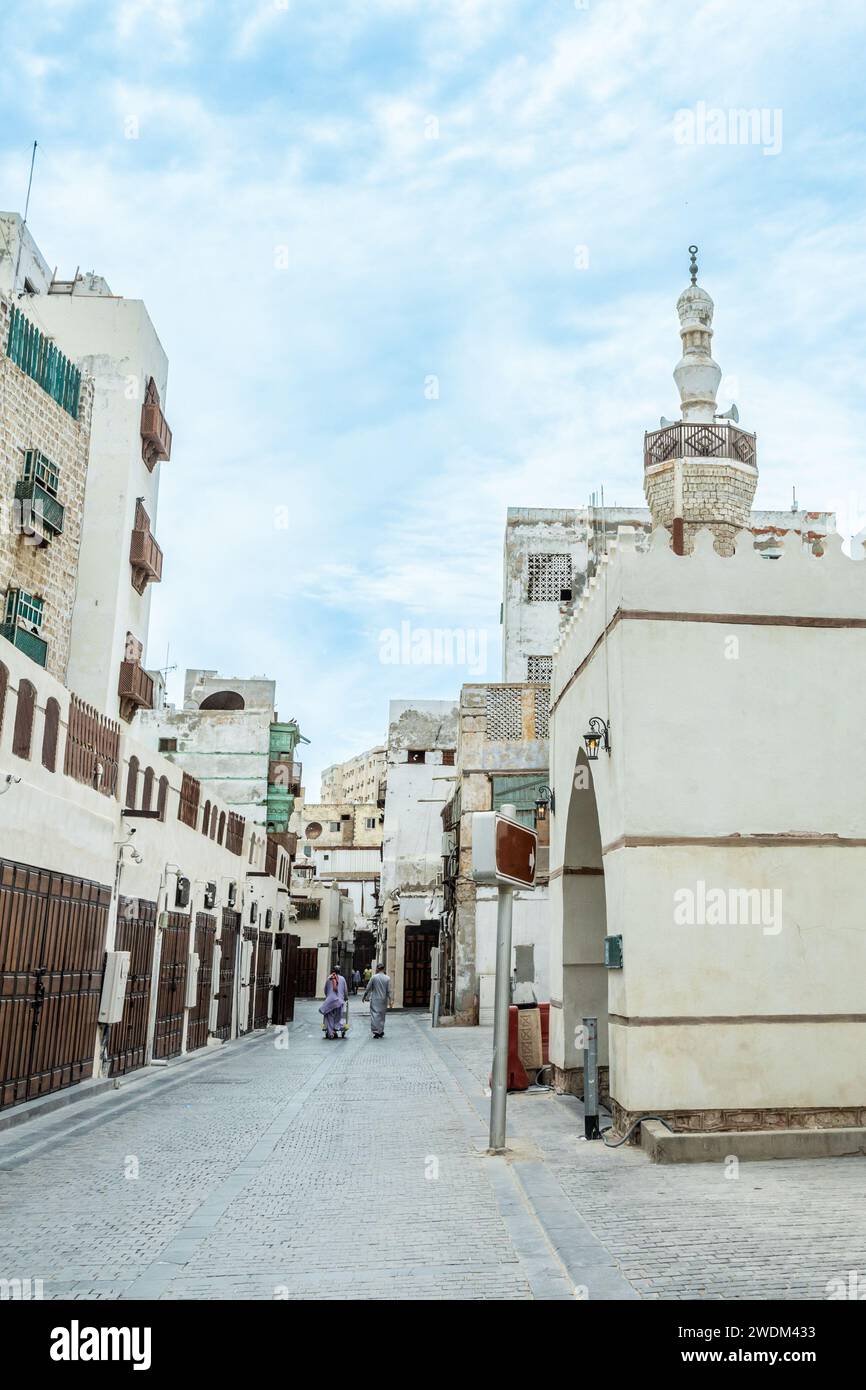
x=596, y=737
x=544, y=799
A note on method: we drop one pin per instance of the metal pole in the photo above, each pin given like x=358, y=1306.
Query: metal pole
x=590, y=1078
x=500, y=1019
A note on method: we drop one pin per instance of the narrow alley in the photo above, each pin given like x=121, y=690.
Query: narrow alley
x=285, y=1168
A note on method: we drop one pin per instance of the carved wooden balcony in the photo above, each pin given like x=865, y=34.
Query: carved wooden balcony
x=155, y=435
x=145, y=558
x=135, y=688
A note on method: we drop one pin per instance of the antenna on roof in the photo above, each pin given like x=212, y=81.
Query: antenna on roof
x=794, y=506
x=24, y=222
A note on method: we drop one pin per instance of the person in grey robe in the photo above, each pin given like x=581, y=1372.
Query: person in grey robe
x=378, y=992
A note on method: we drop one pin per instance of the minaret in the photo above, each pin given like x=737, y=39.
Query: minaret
x=701, y=470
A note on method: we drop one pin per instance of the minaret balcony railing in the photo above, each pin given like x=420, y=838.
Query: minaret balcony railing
x=696, y=439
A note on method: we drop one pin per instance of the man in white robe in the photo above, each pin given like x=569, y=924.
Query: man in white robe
x=378, y=992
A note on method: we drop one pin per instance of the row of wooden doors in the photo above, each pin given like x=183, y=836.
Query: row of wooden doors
x=53, y=930
x=53, y=933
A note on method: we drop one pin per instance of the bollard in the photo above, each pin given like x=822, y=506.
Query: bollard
x=590, y=1078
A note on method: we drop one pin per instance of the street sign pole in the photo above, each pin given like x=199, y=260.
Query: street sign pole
x=504, y=856
x=502, y=1001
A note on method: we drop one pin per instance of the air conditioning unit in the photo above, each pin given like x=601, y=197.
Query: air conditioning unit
x=210, y=893
x=192, y=969
x=254, y=911
x=182, y=892
x=114, y=980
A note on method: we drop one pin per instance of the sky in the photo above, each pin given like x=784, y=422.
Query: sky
x=416, y=261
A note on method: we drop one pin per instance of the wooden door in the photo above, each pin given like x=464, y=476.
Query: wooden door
x=263, y=980
x=308, y=969
x=284, y=995
x=53, y=929
x=205, y=936
x=136, y=933
x=251, y=934
x=416, y=968
x=229, y=936
x=171, y=990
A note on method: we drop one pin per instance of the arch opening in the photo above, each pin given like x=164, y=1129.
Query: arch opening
x=223, y=699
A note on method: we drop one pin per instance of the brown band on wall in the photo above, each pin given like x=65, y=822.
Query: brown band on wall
x=727, y=619
x=793, y=839
x=678, y=535
x=713, y=1019
x=558, y=873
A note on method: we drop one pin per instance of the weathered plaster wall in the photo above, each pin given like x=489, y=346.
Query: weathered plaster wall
x=226, y=750
x=30, y=418
x=114, y=341
x=721, y=678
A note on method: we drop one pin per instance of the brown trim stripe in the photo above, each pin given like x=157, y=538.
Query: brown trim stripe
x=558, y=873
x=793, y=839
x=728, y=619
x=711, y=1019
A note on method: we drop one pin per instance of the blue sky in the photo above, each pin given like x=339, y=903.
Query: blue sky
x=325, y=205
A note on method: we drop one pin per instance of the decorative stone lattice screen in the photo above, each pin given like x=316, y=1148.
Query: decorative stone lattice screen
x=539, y=668
x=542, y=706
x=549, y=576
x=504, y=714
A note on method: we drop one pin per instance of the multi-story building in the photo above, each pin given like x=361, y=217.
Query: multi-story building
x=502, y=758
x=343, y=844
x=45, y=418
x=422, y=741
x=111, y=854
x=229, y=736
x=111, y=340
x=359, y=779
x=550, y=554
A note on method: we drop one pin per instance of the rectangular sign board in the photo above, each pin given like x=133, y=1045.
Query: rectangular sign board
x=503, y=850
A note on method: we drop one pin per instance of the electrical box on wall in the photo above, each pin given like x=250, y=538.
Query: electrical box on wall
x=613, y=952
x=114, y=986
x=210, y=893
x=192, y=980
x=182, y=892
x=231, y=896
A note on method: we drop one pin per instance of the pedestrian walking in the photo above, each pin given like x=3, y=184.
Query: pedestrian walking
x=356, y=980
x=378, y=992
x=332, y=1008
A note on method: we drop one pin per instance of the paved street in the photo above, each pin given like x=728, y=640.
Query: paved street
x=356, y=1170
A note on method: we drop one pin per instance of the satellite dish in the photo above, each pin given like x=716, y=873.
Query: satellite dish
x=732, y=414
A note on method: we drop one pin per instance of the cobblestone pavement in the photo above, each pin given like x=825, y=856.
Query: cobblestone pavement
x=356, y=1169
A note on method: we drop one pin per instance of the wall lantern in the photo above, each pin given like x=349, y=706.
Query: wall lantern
x=544, y=799
x=598, y=736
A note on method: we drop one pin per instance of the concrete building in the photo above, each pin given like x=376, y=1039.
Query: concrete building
x=323, y=919
x=422, y=743
x=108, y=848
x=359, y=779
x=502, y=757
x=550, y=555
x=113, y=342
x=45, y=417
x=342, y=844
x=704, y=908
x=229, y=736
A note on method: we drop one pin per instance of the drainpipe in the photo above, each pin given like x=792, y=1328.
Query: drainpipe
x=678, y=546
